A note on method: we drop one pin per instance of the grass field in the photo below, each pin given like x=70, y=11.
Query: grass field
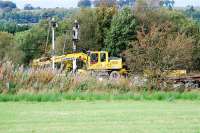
x=100, y=117
x=138, y=96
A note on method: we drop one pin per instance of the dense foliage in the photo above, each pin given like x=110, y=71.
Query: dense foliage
x=34, y=16
x=7, y=5
x=30, y=7
x=193, y=13
x=84, y=3
x=9, y=49
x=119, y=3
x=162, y=33
x=12, y=27
x=122, y=31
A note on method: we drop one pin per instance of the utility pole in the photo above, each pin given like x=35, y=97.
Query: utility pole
x=53, y=26
x=75, y=39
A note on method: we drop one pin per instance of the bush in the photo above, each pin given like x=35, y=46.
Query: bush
x=18, y=80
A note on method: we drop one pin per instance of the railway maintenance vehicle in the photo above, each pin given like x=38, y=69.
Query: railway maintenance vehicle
x=98, y=63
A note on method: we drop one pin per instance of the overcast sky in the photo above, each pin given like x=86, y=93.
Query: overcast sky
x=73, y=3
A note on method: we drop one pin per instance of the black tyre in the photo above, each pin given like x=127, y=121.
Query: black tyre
x=115, y=75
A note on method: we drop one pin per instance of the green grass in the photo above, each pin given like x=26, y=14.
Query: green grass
x=55, y=97
x=100, y=117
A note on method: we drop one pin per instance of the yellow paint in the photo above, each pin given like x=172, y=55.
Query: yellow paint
x=102, y=61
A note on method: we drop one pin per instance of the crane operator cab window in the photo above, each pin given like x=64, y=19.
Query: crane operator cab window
x=103, y=57
x=94, y=58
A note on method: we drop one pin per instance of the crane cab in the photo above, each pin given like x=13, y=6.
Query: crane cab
x=100, y=60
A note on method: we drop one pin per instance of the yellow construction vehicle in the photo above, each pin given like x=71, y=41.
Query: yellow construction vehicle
x=96, y=62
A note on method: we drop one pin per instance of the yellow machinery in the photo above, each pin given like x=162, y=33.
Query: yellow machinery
x=94, y=61
x=166, y=73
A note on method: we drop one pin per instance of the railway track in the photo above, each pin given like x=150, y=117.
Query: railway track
x=185, y=81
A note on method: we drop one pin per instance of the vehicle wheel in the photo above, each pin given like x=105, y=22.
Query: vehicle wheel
x=115, y=75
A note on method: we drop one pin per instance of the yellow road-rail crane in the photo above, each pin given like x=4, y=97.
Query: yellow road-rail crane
x=95, y=62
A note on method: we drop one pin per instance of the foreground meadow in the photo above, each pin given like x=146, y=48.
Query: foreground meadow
x=100, y=117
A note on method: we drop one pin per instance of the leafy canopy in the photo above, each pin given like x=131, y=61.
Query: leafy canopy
x=122, y=31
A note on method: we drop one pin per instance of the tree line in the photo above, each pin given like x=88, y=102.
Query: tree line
x=34, y=16
x=121, y=3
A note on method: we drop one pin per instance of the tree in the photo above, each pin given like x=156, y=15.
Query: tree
x=28, y=7
x=193, y=13
x=108, y=3
x=158, y=49
x=7, y=5
x=167, y=3
x=12, y=27
x=104, y=15
x=89, y=29
x=122, y=3
x=190, y=11
x=84, y=3
x=9, y=49
x=165, y=40
x=33, y=41
x=122, y=32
